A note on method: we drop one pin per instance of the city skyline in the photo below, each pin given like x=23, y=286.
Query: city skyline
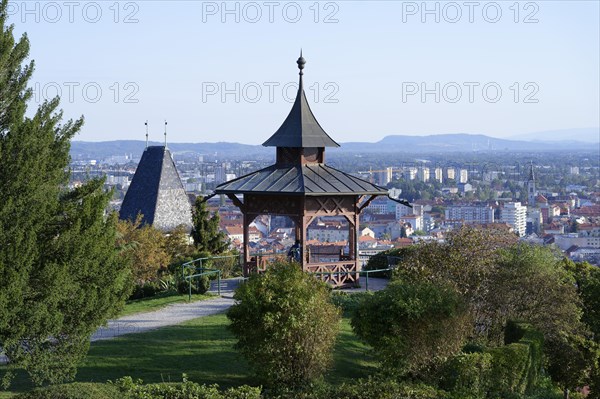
x=227, y=73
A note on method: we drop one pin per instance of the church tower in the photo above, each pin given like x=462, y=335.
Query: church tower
x=531, y=191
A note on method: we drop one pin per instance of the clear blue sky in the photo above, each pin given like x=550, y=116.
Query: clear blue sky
x=370, y=61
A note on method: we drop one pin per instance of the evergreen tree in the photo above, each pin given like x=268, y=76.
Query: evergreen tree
x=205, y=232
x=60, y=273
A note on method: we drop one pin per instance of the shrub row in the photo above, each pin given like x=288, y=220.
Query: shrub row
x=371, y=388
x=512, y=370
x=126, y=388
x=75, y=390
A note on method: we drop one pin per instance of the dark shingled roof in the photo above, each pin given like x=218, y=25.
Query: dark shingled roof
x=157, y=192
x=300, y=128
x=309, y=180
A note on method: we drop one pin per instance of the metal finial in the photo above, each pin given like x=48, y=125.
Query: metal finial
x=165, y=133
x=146, y=133
x=301, y=62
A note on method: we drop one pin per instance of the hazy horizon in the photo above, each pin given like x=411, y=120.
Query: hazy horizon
x=530, y=136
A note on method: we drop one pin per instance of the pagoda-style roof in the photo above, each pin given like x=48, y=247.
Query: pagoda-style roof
x=301, y=169
x=300, y=128
x=308, y=180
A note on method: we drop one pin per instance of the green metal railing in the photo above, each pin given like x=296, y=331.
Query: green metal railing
x=192, y=264
x=205, y=273
x=197, y=266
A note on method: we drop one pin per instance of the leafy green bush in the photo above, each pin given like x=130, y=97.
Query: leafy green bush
x=385, y=259
x=509, y=371
x=349, y=302
x=185, y=390
x=200, y=285
x=285, y=324
x=386, y=389
x=150, y=289
x=413, y=326
x=137, y=293
x=371, y=388
x=74, y=391
x=230, y=266
x=525, y=333
x=467, y=376
x=510, y=368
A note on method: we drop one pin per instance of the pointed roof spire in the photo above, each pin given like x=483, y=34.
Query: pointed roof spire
x=531, y=176
x=165, y=133
x=300, y=128
x=301, y=62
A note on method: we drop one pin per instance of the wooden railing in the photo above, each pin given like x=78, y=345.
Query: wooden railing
x=335, y=273
x=259, y=262
x=343, y=272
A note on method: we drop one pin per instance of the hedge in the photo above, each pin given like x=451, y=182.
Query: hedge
x=75, y=390
x=468, y=376
x=126, y=388
x=512, y=370
x=371, y=388
x=185, y=390
x=524, y=333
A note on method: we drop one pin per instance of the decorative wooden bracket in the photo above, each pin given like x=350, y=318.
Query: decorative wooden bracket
x=366, y=203
x=236, y=201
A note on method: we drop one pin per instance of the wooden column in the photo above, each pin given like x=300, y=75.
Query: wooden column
x=297, y=228
x=356, y=251
x=246, y=223
x=303, y=228
x=351, y=238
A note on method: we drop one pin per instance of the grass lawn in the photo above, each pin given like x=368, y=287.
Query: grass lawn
x=201, y=348
x=158, y=302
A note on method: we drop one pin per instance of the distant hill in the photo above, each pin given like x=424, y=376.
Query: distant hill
x=460, y=142
x=588, y=135
x=103, y=149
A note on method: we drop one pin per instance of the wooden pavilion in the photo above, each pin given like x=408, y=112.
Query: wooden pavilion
x=301, y=186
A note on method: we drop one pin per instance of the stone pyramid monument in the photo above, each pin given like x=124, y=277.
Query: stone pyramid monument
x=157, y=192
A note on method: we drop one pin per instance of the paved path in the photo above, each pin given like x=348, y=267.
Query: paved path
x=170, y=315
x=375, y=284
x=181, y=312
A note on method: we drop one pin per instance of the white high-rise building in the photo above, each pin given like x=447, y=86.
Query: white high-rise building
x=515, y=215
x=423, y=174
x=410, y=173
x=464, y=176
x=385, y=176
x=450, y=174
x=438, y=175
x=574, y=170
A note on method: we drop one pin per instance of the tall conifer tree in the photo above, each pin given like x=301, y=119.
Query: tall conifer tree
x=205, y=231
x=60, y=273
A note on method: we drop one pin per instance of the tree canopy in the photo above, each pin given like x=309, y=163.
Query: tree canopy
x=60, y=273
